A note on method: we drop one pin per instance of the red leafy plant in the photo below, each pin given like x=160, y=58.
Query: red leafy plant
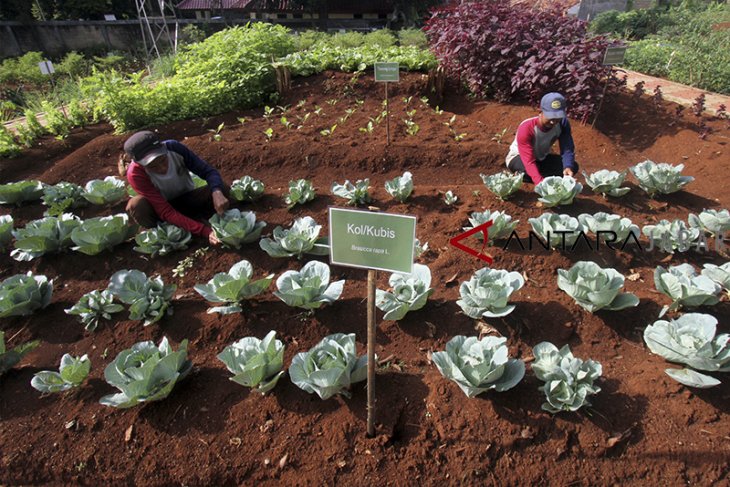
x=516, y=52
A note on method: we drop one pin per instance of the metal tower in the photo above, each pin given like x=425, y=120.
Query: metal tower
x=155, y=17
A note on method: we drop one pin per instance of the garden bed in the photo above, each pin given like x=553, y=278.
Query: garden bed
x=643, y=427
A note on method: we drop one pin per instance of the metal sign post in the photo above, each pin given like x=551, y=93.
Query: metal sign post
x=387, y=73
x=47, y=68
x=372, y=241
x=613, y=55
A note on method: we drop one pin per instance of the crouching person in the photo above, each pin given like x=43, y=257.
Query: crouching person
x=160, y=174
x=530, y=152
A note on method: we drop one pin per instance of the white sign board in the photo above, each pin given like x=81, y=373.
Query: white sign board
x=110, y=17
x=46, y=67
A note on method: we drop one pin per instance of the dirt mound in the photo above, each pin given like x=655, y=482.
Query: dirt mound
x=643, y=427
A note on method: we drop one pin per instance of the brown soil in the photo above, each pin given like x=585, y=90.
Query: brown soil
x=643, y=428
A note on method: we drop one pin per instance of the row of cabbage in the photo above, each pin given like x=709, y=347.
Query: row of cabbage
x=554, y=190
x=235, y=228
x=147, y=372
x=654, y=178
x=486, y=294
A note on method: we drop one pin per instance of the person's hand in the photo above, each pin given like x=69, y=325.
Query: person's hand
x=220, y=202
x=213, y=239
x=568, y=172
x=122, y=164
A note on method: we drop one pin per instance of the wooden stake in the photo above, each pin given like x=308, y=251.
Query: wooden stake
x=387, y=114
x=372, y=276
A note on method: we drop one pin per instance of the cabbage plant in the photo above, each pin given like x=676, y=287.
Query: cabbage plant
x=162, y=240
x=660, y=178
x=247, y=189
x=45, y=236
x=10, y=358
x=330, y=367
x=235, y=228
x=608, y=222
x=607, y=183
x=503, y=184
x=60, y=193
x=302, y=238
x=558, y=190
x=107, y=191
x=595, y=288
x=568, y=380
x=95, y=235
x=71, y=373
x=502, y=224
x=145, y=373
x=6, y=230
x=691, y=340
x=20, y=192
x=670, y=236
x=148, y=298
x=558, y=231
x=300, y=191
x=714, y=222
x=308, y=288
x=450, y=198
x=255, y=363
x=719, y=274
x=409, y=293
x=355, y=194
x=22, y=294
x=400, y=187
x=232, y=287
x=94, y=306
x=487, y=292
x=479, y=365
x=685, y=288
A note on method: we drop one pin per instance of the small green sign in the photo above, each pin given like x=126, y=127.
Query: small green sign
x=614, y=55
x=370, y=240
x=388, y=72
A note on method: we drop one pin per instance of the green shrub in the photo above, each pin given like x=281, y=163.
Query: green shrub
x=78, y=114
x=634, y=24
x=8, y=109
x=380, y=38
x=110, y=61
x=309, y=38
x=344, y=40
x=8, y=146
x=23, y=69
x=650, y=56
x=230, y=69
x=413, y=37
x=29, y=131
x=163, y=67
x=56, y=122
x=73, y=64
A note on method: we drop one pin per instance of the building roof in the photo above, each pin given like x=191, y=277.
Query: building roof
x=211, y=4
x=333, y=6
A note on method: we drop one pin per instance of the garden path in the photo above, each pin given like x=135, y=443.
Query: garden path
x=676, y=92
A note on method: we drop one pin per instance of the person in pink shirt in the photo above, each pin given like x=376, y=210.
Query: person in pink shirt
x=530, y=151
x=160, y=173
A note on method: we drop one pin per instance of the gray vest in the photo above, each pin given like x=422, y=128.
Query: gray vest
x=177, y=181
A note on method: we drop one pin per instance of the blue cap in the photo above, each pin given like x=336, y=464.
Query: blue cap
x=553, y=105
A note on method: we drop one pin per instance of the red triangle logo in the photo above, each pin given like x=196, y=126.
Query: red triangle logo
x=479, y=254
